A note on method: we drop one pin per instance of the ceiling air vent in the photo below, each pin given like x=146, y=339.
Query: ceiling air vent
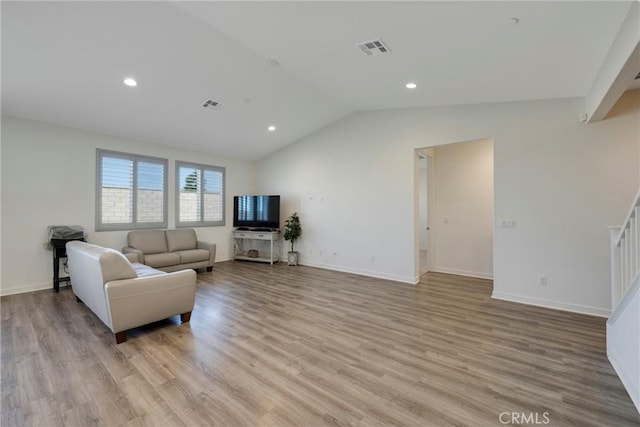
x=209, y=103
x=374, y=47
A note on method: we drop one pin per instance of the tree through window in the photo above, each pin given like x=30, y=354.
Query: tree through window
x=200, y=200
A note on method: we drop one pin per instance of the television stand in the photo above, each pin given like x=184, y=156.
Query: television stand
x=247, y=241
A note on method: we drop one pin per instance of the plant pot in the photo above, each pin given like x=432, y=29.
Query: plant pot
x=292, y=257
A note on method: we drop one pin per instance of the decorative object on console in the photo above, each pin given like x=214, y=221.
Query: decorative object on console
x=292, y=231
x=253, y=253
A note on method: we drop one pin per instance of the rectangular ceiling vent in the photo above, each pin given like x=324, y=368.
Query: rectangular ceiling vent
x=637, y=77
x=374, y=47
x=211, y=104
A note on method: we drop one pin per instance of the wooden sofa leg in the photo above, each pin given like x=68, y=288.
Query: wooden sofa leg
x=185, y=317
x=210, y=269
x=121, y=337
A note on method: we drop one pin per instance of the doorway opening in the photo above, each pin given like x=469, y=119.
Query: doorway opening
x=425, y=207
x=453, y=189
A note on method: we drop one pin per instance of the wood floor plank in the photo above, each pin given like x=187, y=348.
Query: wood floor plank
x=299, y=346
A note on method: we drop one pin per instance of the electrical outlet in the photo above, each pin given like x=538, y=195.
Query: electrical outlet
x=507, y=223
x=542, y=280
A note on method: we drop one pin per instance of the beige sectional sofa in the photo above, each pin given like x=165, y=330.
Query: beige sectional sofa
x=170, y=250
x=126, y=295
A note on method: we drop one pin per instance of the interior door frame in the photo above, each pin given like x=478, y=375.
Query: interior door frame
x=428, y=154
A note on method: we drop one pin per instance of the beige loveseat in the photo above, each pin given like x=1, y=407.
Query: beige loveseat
x=126, y=295
x=170, y=250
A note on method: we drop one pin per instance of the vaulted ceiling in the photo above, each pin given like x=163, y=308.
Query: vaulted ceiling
x=293, y=65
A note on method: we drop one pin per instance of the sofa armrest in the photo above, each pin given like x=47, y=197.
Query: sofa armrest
x=133, y=257
x=129, y=250
x=211, y=247
x=143, y=300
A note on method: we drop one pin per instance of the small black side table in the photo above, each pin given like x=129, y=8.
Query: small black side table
x=59, y=251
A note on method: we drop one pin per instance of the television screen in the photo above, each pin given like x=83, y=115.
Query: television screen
x=256, y=212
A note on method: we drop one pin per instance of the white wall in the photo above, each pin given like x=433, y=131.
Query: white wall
x=48, y=178
x=626, y=106
x=561, y=180
x=463, y=229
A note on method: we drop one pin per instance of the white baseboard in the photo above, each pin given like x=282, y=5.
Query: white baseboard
x=630, y=383
x=463, y=273
x=402, y=279
x=557, y=305
x=29, y=288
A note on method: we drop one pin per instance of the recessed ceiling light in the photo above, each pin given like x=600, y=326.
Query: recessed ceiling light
x=411, y=85
x=130, y=82
x=271, y=128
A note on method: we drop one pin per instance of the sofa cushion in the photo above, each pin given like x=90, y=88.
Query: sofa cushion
x=148, y=241
x=193, y=255
x=144, y=270
x=181, y=240
x=162, y=260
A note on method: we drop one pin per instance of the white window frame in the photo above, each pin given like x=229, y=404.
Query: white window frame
x=133, y=225
x=202, y=168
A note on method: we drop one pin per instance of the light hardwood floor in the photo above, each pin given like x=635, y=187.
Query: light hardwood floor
x=298, y=346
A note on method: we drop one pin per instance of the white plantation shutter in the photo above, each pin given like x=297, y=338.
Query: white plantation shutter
x=131, y=191
x=151, y=191
x=212, y=194
x=189, y=200
x=200, y=190
x=117, y=190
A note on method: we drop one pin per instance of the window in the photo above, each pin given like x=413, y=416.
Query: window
x=131, y=191
x=200, y=195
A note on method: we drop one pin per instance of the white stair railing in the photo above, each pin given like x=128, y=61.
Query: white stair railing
x=623, y=326
x=625, y=254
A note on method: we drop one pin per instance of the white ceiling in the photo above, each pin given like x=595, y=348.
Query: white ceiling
x=64, y=62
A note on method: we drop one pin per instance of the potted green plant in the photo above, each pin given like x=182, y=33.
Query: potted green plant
x=292, y=231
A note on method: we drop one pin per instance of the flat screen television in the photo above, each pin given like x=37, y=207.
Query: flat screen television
x=261, y=212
